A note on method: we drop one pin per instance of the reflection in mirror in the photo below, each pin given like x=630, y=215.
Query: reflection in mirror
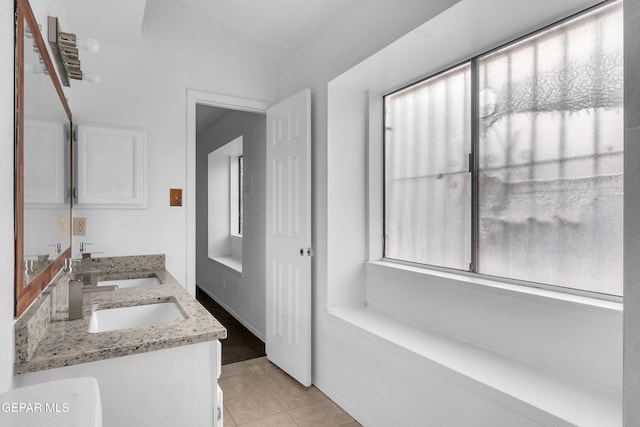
x=42, y=165
x=46, y=212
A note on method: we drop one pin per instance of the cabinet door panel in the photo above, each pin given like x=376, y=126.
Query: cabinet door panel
x=111, y=167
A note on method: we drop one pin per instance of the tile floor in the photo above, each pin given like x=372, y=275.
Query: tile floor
x=259, y=394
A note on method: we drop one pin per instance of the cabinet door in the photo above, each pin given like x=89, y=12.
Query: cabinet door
x=111, y=167
x=218, y=417
x=44, y=164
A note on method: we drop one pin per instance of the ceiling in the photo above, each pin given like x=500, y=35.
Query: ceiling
x=114, y=21
x=277, y=28
x=207, y=115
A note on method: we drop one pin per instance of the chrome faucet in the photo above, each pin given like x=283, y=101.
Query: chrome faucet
x=81, y=280
x=87, y=277
x=83, y=249
x=80, y=269
x=75, y=299
x=58, y=247
x=76, y=291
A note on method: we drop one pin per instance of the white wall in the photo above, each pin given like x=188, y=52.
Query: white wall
x=6, y=189
x=242, y=295
x=346, y=362
x=145, y=87
x=41, y=9
x=217, y=202
x=357, y=33
x=142, y=86
x=632, y=215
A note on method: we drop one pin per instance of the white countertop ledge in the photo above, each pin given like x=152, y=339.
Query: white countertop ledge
x=232, y=263
x=548, y=399
x=392, y=268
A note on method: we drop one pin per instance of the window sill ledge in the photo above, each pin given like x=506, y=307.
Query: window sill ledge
x=513, y=384
x=231, y=263
x=391, y=268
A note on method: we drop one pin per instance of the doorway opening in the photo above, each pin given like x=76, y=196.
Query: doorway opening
x=273, y=300
x=225, y=137
x=225, y=102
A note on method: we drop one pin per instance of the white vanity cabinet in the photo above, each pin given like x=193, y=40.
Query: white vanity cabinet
x=172, y=387
x=163, y=373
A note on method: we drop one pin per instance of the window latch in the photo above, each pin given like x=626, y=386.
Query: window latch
x=470, y=162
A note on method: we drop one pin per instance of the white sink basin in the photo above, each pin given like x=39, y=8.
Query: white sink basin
x=130, y=283
x=112, y=319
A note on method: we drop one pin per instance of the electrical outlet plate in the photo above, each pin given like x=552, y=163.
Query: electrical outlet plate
x=62, y=226
x=79, y=226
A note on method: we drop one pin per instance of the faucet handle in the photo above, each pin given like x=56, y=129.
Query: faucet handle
x=83, y=246
x=75, y=264
x=28, y=266
x=58, y=247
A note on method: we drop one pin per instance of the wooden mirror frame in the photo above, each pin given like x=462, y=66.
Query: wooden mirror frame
x=25, y=294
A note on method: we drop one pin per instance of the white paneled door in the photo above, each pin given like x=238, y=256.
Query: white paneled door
x=288, y=240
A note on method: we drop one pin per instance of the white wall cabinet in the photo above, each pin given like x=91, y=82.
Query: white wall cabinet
x=44, y=186
x=111, y=167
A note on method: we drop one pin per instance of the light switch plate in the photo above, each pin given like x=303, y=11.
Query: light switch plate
x=175, y=197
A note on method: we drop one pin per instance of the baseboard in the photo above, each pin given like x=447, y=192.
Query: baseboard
x=235, y=315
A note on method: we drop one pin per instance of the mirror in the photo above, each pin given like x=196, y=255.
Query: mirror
x=43, y=150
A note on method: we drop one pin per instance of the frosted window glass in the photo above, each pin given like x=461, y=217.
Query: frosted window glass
x=551, y=156
x=427, y=183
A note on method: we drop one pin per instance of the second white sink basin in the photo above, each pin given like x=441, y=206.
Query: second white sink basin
x=112, y=319
x=130, y=283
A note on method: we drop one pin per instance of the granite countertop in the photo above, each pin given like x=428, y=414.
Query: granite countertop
x=43, y=344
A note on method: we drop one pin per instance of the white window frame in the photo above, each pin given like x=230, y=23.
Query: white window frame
x=376, y=177
x=235, y=197
x=224, y=243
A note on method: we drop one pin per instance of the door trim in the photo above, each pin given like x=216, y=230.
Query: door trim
x=195, y=97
